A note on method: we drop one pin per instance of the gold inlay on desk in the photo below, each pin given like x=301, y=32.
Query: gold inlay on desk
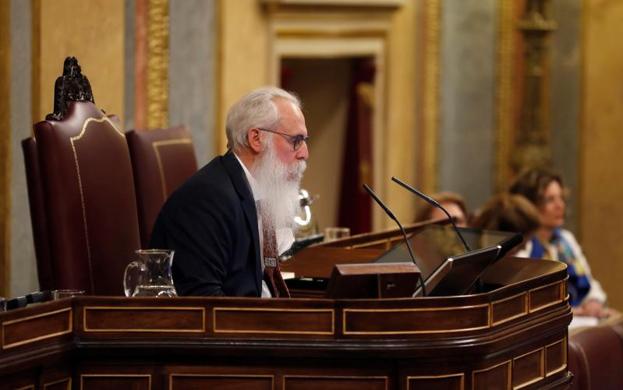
x=122, y=318
x=39, y=327
x=399, y=316
x=247, y=320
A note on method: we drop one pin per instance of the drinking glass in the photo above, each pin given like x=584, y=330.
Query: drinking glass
x=336, y=233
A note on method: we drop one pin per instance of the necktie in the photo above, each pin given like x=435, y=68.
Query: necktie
x=272, y=273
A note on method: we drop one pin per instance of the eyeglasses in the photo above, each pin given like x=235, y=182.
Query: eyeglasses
x=295, y=140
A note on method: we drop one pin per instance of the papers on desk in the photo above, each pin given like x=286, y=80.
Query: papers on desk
x=583, y=322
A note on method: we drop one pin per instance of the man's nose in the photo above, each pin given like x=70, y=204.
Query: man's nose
x=303, y=152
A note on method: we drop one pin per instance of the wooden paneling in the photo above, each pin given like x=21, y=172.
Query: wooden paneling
x=226, y=382
x=144, y=319
x=509, y=308
x=60, y=384
x=494, y=377
x=555, y=357
x=245, y=343
x=274, y=321
x=440, y=382
x=528, y=368
x=546, y=296
x=115, y=381
x=334, y=383
x=413, y=321
x=36, y=327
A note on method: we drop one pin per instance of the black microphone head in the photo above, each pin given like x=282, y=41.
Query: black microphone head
x=417, y=192
x=434, y=203
x=379, y=202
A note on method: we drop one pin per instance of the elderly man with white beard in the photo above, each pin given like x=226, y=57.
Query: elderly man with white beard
x=230, y=220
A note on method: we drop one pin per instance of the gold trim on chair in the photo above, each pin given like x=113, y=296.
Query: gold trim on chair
x=80, y=186
x=156, y=145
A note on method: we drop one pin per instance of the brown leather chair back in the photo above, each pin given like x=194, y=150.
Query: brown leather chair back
x=162, y=159
x=88, y=194
x=37, y=214
x=596, y=358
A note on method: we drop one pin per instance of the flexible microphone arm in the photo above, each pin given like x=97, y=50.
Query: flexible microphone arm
x=434, y=203
x=404, y=234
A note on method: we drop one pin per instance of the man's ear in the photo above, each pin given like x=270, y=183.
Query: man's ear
x=255, y=140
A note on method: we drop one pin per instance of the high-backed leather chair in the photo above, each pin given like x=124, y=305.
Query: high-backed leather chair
x=89, y=204
x=162, y=159
x=596, y=358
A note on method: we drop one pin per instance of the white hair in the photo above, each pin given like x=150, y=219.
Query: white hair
x=256, y=109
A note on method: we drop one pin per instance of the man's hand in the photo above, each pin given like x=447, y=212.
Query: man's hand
x=592, y=308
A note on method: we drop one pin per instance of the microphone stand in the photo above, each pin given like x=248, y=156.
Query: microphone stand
x=435, y=204
x=404, y=233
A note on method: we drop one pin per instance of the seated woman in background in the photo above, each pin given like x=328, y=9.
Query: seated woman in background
x=509, y=213
x=452, y=202
x=546, y=191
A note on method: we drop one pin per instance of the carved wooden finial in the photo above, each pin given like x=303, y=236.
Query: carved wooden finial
x=72, y=86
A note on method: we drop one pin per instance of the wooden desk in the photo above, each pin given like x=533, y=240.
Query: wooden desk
x=512, y=337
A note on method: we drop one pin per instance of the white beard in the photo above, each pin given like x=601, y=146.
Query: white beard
x=279, y=185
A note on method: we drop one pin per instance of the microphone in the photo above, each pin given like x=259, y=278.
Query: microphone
x=435, y=204
x=404, y=234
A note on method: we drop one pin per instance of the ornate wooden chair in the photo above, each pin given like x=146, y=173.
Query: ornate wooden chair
x=81, y=191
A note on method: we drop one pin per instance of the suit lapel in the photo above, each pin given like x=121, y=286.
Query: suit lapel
x=239, y=180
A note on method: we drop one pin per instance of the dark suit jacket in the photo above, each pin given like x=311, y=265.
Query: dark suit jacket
x=211, y=223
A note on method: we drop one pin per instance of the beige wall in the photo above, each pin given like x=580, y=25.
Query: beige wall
x=323, y=85
x=253, y=37
x=601, y=171
x=400, y=136
x=242, y=56
x=92, y=31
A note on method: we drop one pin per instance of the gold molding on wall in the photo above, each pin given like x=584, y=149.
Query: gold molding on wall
x=5, y=146
x=505, y=132
x=158, y=64
x=151, y=69
x=430, y=95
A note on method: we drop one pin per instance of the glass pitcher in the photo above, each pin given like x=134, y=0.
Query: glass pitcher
x=150, y=274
